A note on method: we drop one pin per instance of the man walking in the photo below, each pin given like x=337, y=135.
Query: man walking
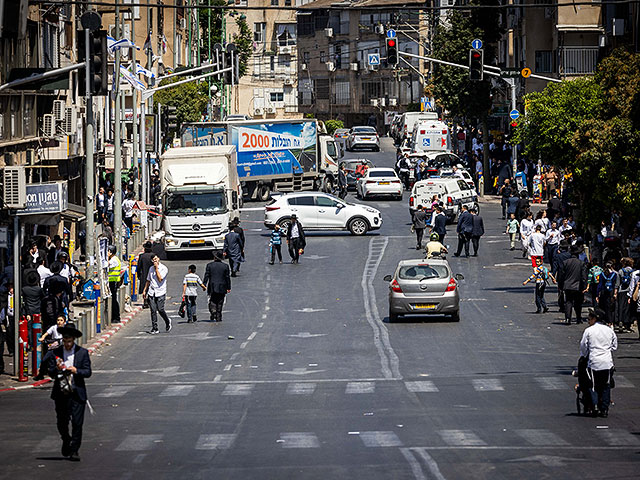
x=69, y=365
x=440, y=224
x=536, y=246
x=573, y=279
x=342, y=182
x=142, y=270
x=115, y=276
x=419, y=224
x=477, y=230
x=218, y=282
x=233, y=249
x=464, y=229
x=295, y=239
x=598, y=341
x=156, y=290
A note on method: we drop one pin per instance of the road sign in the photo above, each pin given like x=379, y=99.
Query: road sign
x=477, y=44
x=391, y=33
x=514, y=114
x=510, y=73
x=374, y=59
x=526, y=72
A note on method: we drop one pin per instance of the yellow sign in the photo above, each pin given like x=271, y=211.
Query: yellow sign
x=526, y=72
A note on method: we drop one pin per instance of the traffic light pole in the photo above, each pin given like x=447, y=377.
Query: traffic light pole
x=89, y=167
x=117, y=153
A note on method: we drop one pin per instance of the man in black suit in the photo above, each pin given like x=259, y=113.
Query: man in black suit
x=465, y=227
x=56, y=249
x=440, y=224
x=218, y=282
x=56, y=283
x=69, y=365
x=477, y=231
x=295, y=239
x=142, y=270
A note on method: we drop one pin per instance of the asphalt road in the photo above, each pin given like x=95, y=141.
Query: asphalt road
x=305, y=378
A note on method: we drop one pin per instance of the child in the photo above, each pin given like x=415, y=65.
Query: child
x=541, y=275
x=512, y=229
x=275, y=244
x=190, y=293
x=53, y=334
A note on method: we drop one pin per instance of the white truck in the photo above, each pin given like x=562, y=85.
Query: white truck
x=430, y=135
x=201, y=193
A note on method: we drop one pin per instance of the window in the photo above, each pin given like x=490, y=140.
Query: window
x=284, y=61
x=28, y=115
x=305, y=57
x=259, y=32
x=326, y=202
x=423, y=271
x=323, y=56
x=49, y=46
x=308, y=201
x=544, y=61
x=341, y=93
x=286, y=34
x=275, y=2
x=287, y=3
x=381, y=173
x=272, y=63
x=277, y=96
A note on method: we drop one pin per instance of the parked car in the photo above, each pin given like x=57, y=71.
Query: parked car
x=453, y=193
x=363, y=137
x=341, y=133
x=379, y=181
x=424, y=287
x=321, y=211
x=354, y=168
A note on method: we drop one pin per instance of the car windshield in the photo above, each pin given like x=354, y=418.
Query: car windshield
x=422, y=272
x=364, y=130
x=180, y=203
x=352, y=165
x=382, y=173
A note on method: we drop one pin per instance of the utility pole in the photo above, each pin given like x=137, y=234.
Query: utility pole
x=117, y=154
x=134, y=137
x=514, y=150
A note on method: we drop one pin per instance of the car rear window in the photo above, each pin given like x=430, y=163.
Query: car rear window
x=369, y=130
x=382, y=173
x=309, y=200
x=418, y=272
x=426, y=189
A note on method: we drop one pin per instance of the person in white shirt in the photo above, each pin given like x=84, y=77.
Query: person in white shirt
x=552, y=237
x=526, y=228
x=597, y=344
x=565, y=225
x=43, y=271
x=536, y=246
x=190, y=286
x=543, y=221
x=156, y=291
x=127, y=209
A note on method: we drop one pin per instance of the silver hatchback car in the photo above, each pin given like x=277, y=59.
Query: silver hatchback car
x=424, y=287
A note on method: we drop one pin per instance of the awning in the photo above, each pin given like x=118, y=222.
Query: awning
x=580, y=28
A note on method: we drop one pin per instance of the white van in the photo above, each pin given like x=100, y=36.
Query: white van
x=452, y=192
x=409, y=120
x=430, y=135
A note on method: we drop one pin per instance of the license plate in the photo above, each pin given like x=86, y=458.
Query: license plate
x=425, y=306
x=196, y=242
x=383, y=183
x=366, y=139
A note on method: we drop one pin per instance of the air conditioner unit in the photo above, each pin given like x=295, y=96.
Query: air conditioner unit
x=380, y=29
x=393, y=102
x=303, y=66
x=354, y=66
x=270, y=109
x=383, y=102
x=374, y=102
x=257, y=111
x=58, y=110
x=328, y=32
x=288, y=81
x=69, y=125
x=15, y=187
x=331, y=66
x=285, y=50
x=183, y=23
x=48, y=125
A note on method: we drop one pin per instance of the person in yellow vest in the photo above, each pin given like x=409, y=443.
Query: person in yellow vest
x=115, y=279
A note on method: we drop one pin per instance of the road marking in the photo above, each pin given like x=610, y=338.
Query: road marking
x=216, y=441
x=301, y=388
x=487, y=385
x=415, y=464
x=227, y=367
x=299, y=440
x=177, y=390
x=618, y=437
x=360, y=387
x=388, y=359
x=217, y=378
x=239, y=389
x=234, y=356
x=421, y=386
x=264, y=317
x=540, y=437
x=307, y=335
x=300, y=371
x=518, y=264
x=134, y=443
x=115, y=391
x=310, y=310
x=139, y=458
x=551, y=383
x=261, y=324
x=380, y=439
x=461, y=438
x=243, y=344
x=547, y=460
x=252, y=336
x=622, y=382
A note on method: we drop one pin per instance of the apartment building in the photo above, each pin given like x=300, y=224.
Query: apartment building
x=269, y=89
x=336, y=77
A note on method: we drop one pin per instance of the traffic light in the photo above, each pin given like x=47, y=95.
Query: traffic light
x=392, y=52
x=476, y=61
x=171, y=118
x=231, y=77
x=98, y=80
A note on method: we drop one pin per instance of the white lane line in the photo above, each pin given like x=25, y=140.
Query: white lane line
x=487, y=385
x=139, y=458
x=215, y=441
x=217, y=378
x=299, y=440
x=431, y=463
x=261, y=324
x=421, y=386
x=227, y=367
x=622, y=382
x=416, y=469
x=252, y=336
x=460, y=437
x=541, y=437
x=551, y=383
x=301, y=388
x=267, y=308
x=243, y=345
x=177, y=390
x=234, y=356
x=360, y=387
x=264, y=316
x=618, y=437
x=380, y=439
x=136, y=443
x=115, y=391
x=518, y=264
x=240, y=389
x=48, y=443
x=389, y=361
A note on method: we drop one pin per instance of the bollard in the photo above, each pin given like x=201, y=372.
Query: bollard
x=23, y=357
x=36, y=352
x=96, y=292
x=83, y=323
x=133, y=275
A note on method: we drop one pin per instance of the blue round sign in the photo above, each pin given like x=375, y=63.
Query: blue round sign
x=514, y=114
x=391, y=33
x=477, y=43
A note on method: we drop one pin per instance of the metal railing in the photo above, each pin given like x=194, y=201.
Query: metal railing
x=578, y=60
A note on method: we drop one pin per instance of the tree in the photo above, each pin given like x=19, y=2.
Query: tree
x=190, y=99
x=244, y=43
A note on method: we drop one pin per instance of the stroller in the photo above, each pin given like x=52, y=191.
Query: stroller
x=584, y=401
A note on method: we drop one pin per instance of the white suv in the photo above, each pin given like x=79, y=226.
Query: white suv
x=321, y=211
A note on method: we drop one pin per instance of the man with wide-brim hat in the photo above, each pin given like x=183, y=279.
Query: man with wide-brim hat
x=69, y=365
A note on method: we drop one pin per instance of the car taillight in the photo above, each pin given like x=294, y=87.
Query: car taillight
x=371, y=181
x=449, y=200
x=395, y=181
x=422, y=132
x=395, y=286
x=444, y=132
x=271, y=209
x=452, y=285
x=411, y=201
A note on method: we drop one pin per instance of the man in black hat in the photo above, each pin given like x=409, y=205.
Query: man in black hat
x=218, y=282
x=573, y=278
x=142, y=270
x=69, y=365
x=295, y=239
x=56, y=249
x=559, y=258
x=32, y=296
x=56, y=283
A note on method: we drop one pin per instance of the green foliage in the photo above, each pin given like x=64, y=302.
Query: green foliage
x=189, y=98
x=333, y=125
x=244, y=43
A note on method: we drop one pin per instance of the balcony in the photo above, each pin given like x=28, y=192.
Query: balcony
x=578, y=60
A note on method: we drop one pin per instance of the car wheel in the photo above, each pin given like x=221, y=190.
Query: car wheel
x=455, y=317
x=399, y=197
x=264, y=192
x=284, y=224
x=376, y=149
x=393, y=317
x=358, y=226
